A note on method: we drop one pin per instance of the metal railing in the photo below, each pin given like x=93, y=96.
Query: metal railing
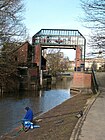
x=95, y=86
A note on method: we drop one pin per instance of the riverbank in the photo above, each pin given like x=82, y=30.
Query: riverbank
x=58, y=123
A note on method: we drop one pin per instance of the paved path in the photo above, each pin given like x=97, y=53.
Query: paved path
x=94, y=125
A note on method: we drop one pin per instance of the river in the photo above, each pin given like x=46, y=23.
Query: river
x=12, y=107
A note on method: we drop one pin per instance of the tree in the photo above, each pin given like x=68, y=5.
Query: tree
x=56, y=62
x=12, y=31
x=11, y=26
x=95, y=20
x=8, y=72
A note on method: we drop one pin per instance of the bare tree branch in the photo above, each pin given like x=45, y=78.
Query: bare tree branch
x=95, y=20
x=11, y=26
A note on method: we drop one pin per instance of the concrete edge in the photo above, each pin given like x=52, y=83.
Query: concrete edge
x=77, y=128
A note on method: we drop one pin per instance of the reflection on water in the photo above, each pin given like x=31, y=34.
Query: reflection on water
x=52, y=98
x=12, y=108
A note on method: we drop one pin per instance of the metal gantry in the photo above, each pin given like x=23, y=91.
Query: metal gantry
x=59, y=37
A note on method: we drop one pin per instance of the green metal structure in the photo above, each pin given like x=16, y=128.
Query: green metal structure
x=59, y=37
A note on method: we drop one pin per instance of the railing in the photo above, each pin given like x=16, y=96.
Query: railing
x=95, y=86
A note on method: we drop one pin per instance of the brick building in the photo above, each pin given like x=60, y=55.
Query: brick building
x=28, y=59
x=24, y=54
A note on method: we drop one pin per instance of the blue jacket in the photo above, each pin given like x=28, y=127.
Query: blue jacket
x=29, y=115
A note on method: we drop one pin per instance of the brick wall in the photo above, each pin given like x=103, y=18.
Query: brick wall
x=22, y=53
x=78, y=57
x=34, y=72
x=81, y=80
x=37, y=55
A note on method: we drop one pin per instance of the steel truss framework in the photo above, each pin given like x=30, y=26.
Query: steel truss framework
x=60, y=38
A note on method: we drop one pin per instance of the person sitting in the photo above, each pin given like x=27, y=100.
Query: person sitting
x=29, y=114
x=27, y=122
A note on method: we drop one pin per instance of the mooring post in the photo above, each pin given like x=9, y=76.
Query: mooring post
x=41, y=78
x=40, y=70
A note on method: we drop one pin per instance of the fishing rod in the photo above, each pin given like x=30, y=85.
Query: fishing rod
x=69, y=113
x=35, y=115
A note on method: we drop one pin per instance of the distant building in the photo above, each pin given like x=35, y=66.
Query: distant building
x=97, y=63
x=72, y=65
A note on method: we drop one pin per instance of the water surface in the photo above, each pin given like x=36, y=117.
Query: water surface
x=12, y=108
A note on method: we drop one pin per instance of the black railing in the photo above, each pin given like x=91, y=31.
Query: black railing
x=95, y=86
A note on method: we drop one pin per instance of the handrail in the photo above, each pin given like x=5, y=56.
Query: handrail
x=95, y=86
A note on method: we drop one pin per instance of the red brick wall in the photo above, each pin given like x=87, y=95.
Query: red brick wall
x=34, y=71
x=37, y=55
x=82, y=80
x=22, y=53
x=78, y=57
